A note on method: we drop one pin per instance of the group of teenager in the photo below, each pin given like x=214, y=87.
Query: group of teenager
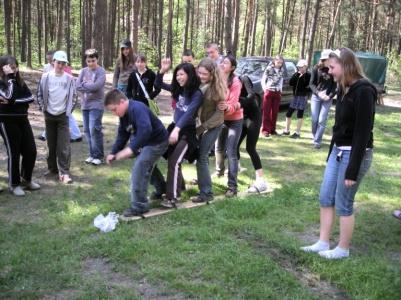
x=214, y=110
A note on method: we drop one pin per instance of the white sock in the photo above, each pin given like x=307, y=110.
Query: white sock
x=317, y=247
x=336, y=253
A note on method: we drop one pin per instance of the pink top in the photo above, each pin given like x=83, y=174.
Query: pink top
x=234, y=111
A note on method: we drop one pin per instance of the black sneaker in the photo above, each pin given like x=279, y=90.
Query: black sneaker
x=169, y=203
x=231, y=193
x=201, y=199
x=295, y=135
x=76, y=140
x=285, y=133
x=130, y=212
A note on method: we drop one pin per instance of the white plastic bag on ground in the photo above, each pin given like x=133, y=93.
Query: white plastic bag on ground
x=107, y=223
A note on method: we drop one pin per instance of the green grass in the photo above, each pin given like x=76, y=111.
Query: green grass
x=244, y=248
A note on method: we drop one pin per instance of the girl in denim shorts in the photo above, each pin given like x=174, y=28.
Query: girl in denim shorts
x=350, y=154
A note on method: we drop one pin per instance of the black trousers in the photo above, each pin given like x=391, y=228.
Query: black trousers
x=19, y=141
x=250, y=131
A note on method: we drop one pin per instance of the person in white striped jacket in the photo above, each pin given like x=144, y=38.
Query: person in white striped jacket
x=15, y=128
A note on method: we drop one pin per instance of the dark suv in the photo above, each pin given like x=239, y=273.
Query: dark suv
x=254, y=66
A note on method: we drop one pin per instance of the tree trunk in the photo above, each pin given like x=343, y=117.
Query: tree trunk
x=311, y=38
x=8, y=23
x=187, y=15
x=228, y=43
x=249, y=19
x=169, y=45
x=28, y=15
x=67, y=28
x=236, y=26
x=254, y=26
x=304, y=28
x=39, y=28
x=135, y=24
x=334, y=25
x=160, y=35
x=351, y=26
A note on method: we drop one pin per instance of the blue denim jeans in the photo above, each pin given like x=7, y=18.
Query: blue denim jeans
x=333, y=191
x=320, y=111
x=202, y=164
x=93, y=131
x=228, y=141
x=75, y=133
x=140, y=174
x=122, y=87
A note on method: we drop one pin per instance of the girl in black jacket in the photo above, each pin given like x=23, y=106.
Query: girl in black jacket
x=350, y=154
x=252, y=108
x=300, y=87
x=147, y=77
x=15, y=129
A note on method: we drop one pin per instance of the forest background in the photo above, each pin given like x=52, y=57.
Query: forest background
x=160, y=28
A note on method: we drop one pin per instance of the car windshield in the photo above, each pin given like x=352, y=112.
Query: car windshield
x=253, y=68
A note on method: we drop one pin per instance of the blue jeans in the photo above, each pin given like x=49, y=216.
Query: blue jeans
x=228, y=141
x=122, y=87
x=93, y=131
x=140, y=174
x=333, y=191
x=75, y=133
x=202, y=164
x=320, y=112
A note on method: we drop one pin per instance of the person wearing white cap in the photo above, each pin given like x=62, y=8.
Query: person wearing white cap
x=300, y=87
x=323, y=90
x=56, y=98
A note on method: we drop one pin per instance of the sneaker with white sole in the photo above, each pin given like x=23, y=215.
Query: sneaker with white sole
x=89, y=160
x=30, y=185
x=259, y=186
x=18, y=191
x=96, y=162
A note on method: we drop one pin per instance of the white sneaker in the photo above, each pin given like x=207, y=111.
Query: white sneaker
x=259, y=186
x=18, y=191
x=96, y=162
x=89, y=160
x=316, y=247
x=336, y=253
x=33, y=186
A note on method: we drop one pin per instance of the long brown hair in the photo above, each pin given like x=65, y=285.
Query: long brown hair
x=217, y=87
x=352, y=68
x=10, y=60
x=124, y=61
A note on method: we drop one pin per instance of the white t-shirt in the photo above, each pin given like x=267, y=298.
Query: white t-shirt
x=58, y=89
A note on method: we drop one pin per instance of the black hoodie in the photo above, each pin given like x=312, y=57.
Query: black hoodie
x=354, y=118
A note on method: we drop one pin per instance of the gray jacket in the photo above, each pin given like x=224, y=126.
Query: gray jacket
x=43, y=94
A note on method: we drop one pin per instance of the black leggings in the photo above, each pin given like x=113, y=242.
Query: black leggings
x=300, y=113
x=19, y=141
x=250, y=130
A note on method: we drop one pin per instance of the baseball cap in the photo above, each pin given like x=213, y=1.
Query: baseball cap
x=302, y=63
x=325, y=54
x=126, y=44
x=60, y=56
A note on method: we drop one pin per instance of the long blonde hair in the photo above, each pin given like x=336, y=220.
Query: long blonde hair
x=217, y=87
x=352, y=68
